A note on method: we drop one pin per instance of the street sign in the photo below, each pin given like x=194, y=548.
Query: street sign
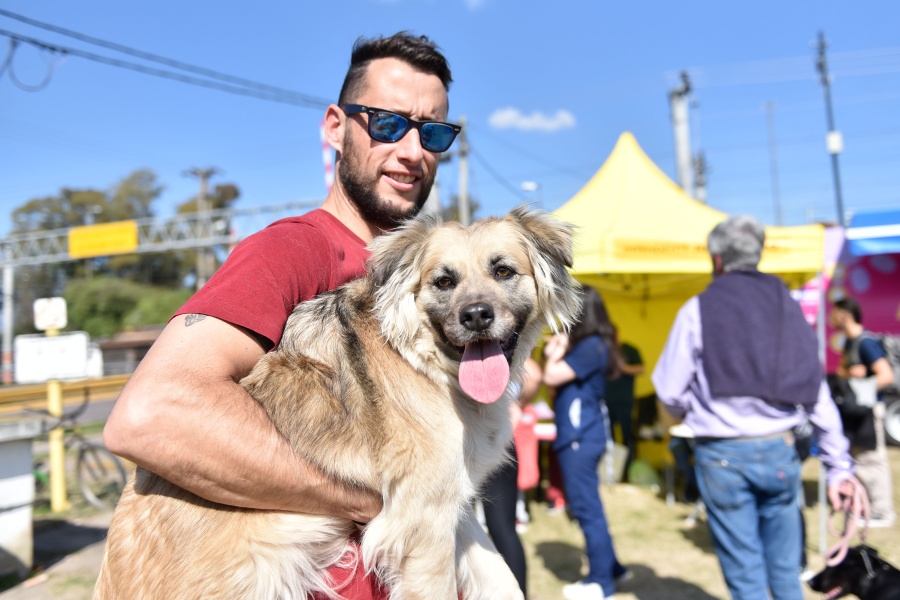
x=40, y=358
x=50, y=313
x=104, y=239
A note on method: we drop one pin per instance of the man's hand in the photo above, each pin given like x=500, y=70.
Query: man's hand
x=849, y=495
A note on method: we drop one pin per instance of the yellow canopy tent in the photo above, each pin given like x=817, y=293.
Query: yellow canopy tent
x=641, y=241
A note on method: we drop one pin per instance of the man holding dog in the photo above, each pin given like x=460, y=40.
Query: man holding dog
x=739, y=361
x=182, y=414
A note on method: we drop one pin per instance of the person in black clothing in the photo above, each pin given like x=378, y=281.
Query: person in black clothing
x=501, y=489
x=620, y=395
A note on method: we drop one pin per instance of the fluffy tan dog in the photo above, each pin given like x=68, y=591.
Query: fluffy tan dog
x=398, y=382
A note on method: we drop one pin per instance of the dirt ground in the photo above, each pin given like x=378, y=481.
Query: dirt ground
x=670, y=559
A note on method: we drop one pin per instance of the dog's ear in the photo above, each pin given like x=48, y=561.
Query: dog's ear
x=394, y=269
x=550, y=248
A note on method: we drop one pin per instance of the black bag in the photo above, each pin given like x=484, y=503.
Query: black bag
x=845, y=398
x=858, y=421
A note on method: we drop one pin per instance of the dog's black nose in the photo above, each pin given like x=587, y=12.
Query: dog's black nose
x=476, y=317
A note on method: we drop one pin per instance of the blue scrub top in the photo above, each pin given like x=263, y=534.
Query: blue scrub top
x=579, y=409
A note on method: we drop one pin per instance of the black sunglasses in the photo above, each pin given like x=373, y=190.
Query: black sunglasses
x=389, y=127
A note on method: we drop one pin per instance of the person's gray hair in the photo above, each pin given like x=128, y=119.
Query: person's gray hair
x=738, y=241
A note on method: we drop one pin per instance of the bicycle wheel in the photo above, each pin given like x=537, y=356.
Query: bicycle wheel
x=101, y=475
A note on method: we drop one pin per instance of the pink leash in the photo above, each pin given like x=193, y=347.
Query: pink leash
x=855, y=508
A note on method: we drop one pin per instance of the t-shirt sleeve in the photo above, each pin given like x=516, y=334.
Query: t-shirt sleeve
x=587, y=357
x=264, y=278
x=870, y=350
x=631, y=355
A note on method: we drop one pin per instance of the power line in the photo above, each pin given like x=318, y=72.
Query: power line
x=8, y=65
x=519, y=150
x=291, y=98
x=170, y=62
x=493, y=172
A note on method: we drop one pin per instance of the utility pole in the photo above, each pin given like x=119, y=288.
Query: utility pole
x=432, y=206
x=205, y=255
x=678, y=101
x=833, y=141
x=701, y=168
x=773, y=163
x=464, y=213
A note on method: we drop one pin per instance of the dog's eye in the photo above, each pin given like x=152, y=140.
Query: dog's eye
x=443, y=282
x=503, y=272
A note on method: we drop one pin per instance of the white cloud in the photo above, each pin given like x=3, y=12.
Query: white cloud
x=506, y=118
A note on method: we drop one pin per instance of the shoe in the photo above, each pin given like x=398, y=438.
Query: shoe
x=522, y=515
x=584, y=591
x=626, y=575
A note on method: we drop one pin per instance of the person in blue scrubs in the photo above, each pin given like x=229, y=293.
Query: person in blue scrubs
x=578, y=365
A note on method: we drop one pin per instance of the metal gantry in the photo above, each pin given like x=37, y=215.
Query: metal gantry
x=181, y=232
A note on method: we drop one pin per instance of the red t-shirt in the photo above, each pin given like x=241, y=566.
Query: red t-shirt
x=264, y=278
x=273, y=270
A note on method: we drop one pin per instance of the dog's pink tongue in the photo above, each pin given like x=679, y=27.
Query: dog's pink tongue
x=484, y=372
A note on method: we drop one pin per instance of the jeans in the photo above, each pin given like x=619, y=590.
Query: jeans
x=750, y=490
x=578, y=462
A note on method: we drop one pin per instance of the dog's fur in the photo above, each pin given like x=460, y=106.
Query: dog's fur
x=365, y=385
x=862, y=573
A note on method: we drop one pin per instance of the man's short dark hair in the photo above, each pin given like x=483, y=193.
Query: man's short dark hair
x=852, y=307
x=418, y=51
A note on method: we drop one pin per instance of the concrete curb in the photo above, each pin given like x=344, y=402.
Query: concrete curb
x=72, y=551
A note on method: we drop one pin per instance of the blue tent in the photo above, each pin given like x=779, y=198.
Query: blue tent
x=874, y=232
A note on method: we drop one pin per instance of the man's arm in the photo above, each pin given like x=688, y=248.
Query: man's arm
x=834, y=448
x=872, y=360
x=631, y=369
x=884, y=374
x=632, y=364
x=676, y=367
x=184, y=416
x=835, y=456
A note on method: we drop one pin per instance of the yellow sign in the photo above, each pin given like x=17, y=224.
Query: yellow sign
x=103, y=239
x=658, y=250
x=669, y=250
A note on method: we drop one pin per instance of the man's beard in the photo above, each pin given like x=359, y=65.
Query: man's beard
x=361, y=189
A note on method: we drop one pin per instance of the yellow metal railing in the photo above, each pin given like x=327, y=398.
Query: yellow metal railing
x=14, y=398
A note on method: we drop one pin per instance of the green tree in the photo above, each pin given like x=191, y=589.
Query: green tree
x=450, y=212
x=103, y=306
x=133, y=197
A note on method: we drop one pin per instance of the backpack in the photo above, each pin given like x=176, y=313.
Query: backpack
x=891, y=345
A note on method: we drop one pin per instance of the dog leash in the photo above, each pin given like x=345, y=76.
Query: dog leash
x=855, y=508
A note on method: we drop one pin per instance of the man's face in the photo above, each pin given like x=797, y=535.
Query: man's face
x=837, y=317
x=389, y=183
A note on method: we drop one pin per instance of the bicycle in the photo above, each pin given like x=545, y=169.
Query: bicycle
x=100, y=474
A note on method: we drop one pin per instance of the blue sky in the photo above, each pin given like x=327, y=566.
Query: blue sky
x=546, y=88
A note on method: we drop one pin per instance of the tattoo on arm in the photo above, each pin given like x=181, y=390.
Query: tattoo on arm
x=191, y=319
